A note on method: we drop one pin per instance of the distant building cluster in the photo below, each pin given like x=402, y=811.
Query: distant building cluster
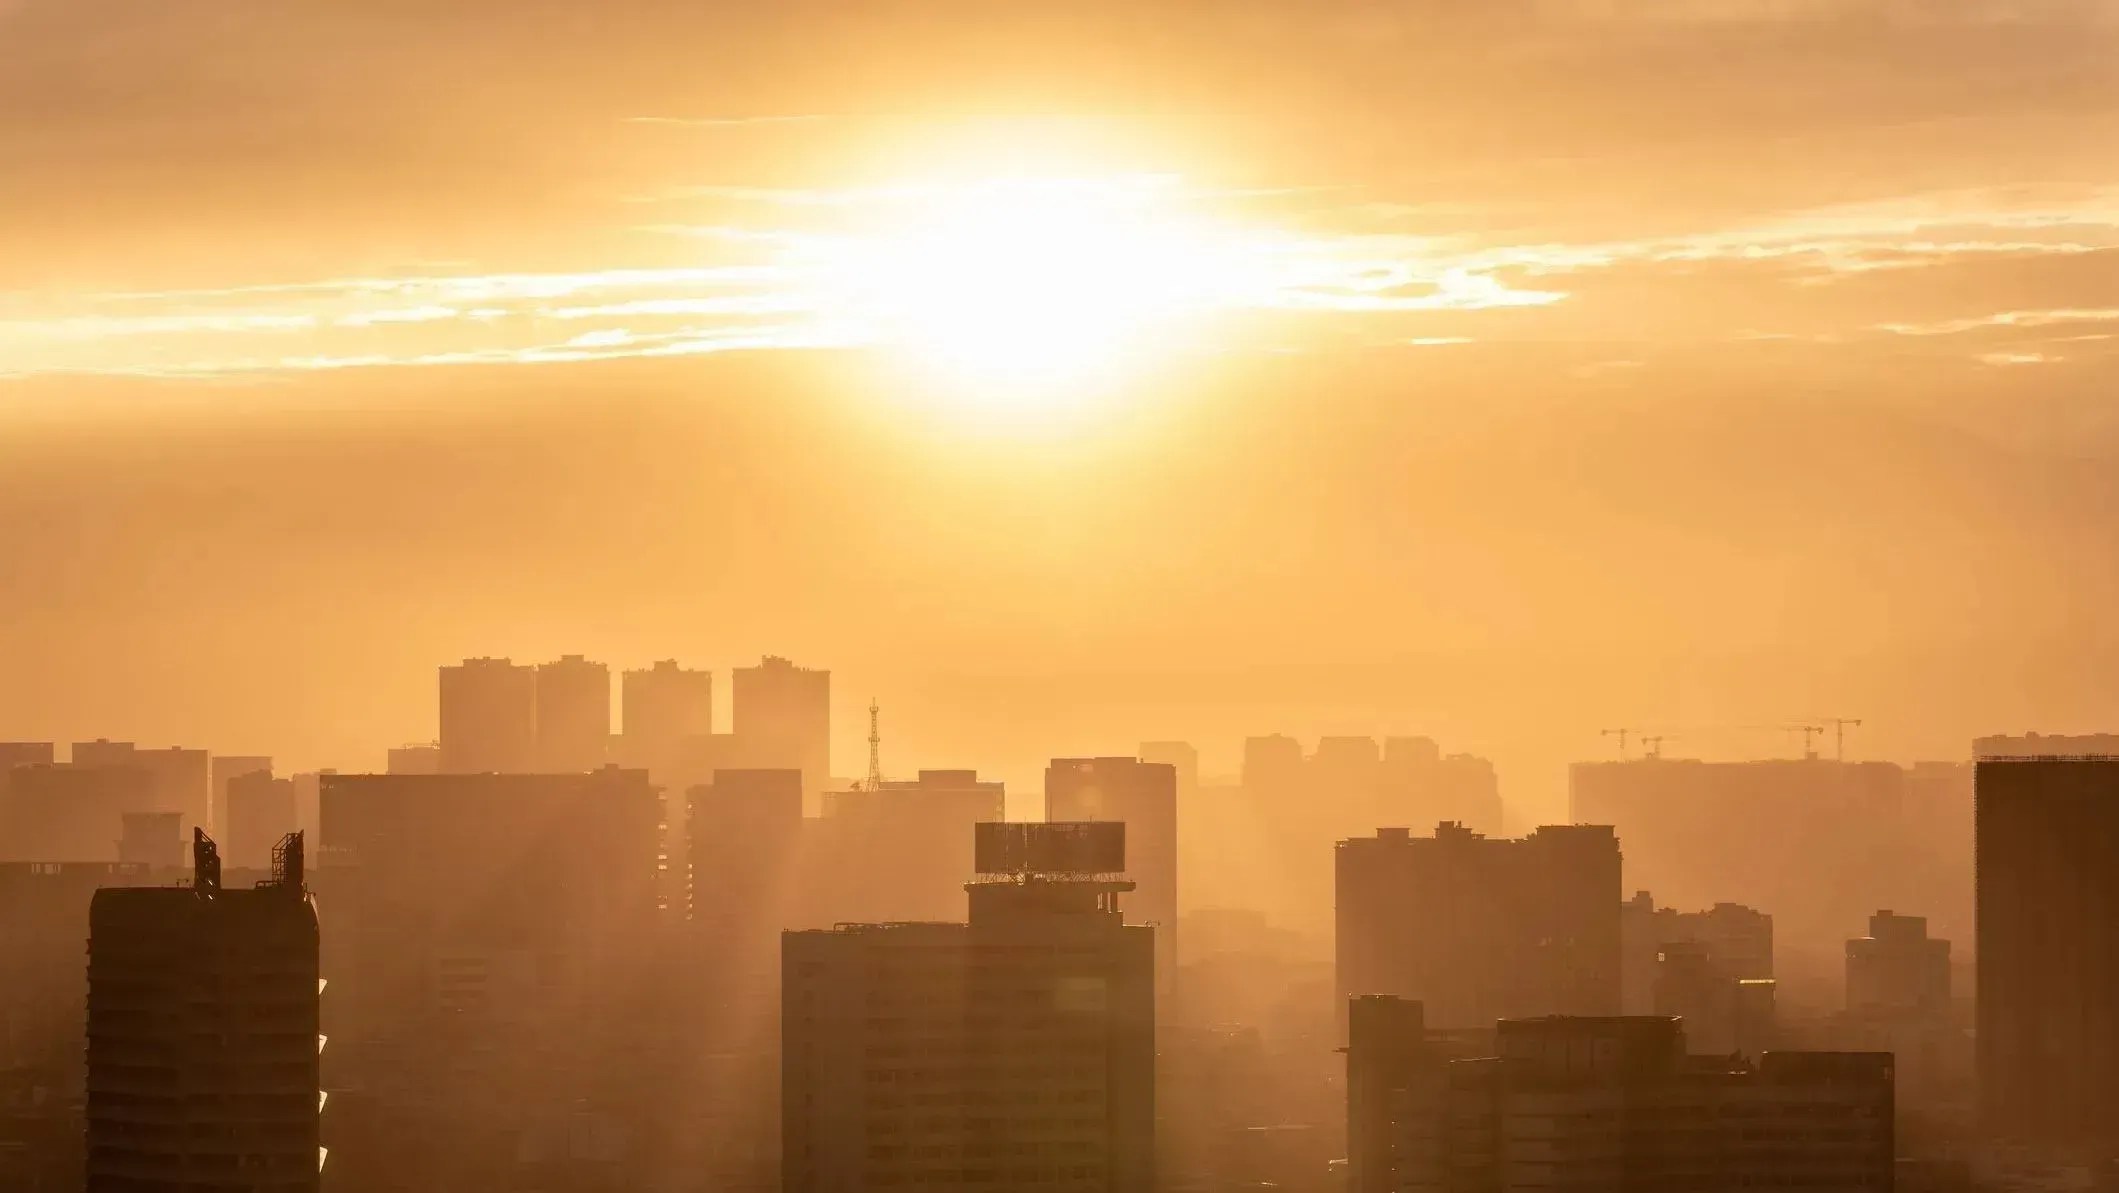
x=555, y=954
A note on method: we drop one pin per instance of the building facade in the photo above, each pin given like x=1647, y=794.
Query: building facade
x=488, y=718
x=573, y=715
x=1010, y=1053
x=1616, y=1105
x=2048, y=1005
x=783, y=716
x=1142, y=796
x=203, y=1034
x=1480, y=929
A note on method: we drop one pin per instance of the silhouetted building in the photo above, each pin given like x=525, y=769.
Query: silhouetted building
x=43, y=1018
x=1738, y=938
x=1013, y=1052
x=573, y=715
x=1898, y=1001
x=203, y=1036
x=488, y=718
x=899, y=851
x=665, y=704
x=2048, y=1005
x=1724, y=1014
x=1898, y=967
x=152, y=839
x=259, y=810
x=746, y=853
x=178, y=779
x=486, y=934
x=1387, y=1052
x=1814, y=840
x=1142, y=795
x=2046, y=745
x=783, y=713
x=223, y=768
x=1615, y=1105
x=1478, y=928
x=1273, y=765
x=70, y=813
x=423, y=758
x=25, y=753
x=1179, y=756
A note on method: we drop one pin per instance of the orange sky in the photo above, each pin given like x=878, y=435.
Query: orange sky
x=1728, y=361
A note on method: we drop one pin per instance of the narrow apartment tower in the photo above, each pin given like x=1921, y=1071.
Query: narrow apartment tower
x=202, y=1034
x=1009, y=1054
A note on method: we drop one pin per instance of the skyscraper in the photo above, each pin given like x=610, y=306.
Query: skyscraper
x=746, y=839
x=783, y=713
x=1012, y=1053
x=257, y=811
x=485, y=934
x=69, y=813
x=222, y=769
x=664, y=704
x=1480, y=929
x=1616, y=1105
x=573, y=715
x=43, y=1017
x=203, y=1036
x=1181, y=756
x=900, y=850
x=2048, y=983
x=1143, y=796
x=1760, y=833
x=488, y=718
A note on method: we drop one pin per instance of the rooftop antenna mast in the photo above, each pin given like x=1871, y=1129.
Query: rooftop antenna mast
x=875, y=747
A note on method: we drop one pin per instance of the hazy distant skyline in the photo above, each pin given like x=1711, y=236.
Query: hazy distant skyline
x=1511, y=370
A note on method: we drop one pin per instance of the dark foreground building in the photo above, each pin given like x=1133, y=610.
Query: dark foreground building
x=1012, y=1054
x=2048, y=970
x=1613, y=1104
x=202, y=1034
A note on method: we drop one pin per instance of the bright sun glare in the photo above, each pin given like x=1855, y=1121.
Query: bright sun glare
x=1033, y=293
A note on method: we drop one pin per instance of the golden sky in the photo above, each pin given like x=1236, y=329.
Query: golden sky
x=1064, y=373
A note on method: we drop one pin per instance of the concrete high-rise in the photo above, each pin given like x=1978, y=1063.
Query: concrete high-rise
x=488, y=718
x=43, y=1017
x=224, y=768
x=25, y=753
x=69, y=813
x=1181, y=756
x=1143, y=796
x=1480, y=929
x=573, y=715
x=1617, y=1105
x=2048, y=984
x=1012, y=1053
x=257, y=811
x=1898, y=967
x=487, y=933
x=1762, y=833
x=900, y=850
x=663, y=705
x=203, y=1034
x=421, y=758
x=748, y=883
x=1738, y=938
x=783, y=714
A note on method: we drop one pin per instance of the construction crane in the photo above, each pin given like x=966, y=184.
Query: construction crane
x=1622, y=733
x=1653, y=744
x=875, y=747
x=1839, y=734
x=1810, y=734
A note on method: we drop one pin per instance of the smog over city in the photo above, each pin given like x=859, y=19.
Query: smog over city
x=1118, y=596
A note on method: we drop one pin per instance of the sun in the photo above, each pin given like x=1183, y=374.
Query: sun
x=1031, y=292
